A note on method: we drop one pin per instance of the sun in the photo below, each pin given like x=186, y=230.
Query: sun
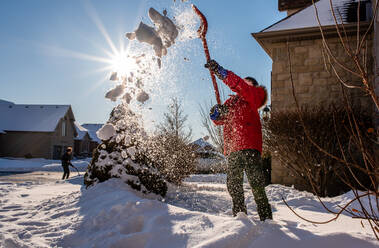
x=122, y=63
x=114, y=59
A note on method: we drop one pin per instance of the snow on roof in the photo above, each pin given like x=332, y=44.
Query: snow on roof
x=6, y=102
x=80, y=130
x=31, y=118
x=201, y=142
x=306, y=18
x=92, y=129
x=202, y=145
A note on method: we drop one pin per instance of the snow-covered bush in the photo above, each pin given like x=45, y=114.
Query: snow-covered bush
x=174, y=158
x=123, y=154
x=328, y=127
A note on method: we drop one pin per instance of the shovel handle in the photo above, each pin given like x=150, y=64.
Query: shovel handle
x=202, y=31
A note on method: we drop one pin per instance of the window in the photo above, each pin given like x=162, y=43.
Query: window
x=63, y=128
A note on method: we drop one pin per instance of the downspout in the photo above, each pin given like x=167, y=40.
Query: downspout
x=376, y=65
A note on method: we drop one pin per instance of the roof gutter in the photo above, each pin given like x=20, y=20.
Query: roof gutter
x=305, y=33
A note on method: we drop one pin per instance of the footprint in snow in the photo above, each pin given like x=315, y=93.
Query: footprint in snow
x=33, y=223
x=13, y=207
x=66, y=213
x=19, y=214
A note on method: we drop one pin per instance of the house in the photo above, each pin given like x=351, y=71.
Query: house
x=42, y=131
x=202, y=148
x=299, y=34
x=86, y=140
x=92, y=129
x=82, y=142
x=208, y=158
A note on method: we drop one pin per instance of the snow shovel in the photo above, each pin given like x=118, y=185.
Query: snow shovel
x=75, y=169
x=202, y=31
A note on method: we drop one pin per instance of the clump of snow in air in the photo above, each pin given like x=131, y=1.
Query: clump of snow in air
x=147, y=34
x=196, y=214
x=113, y=76
x=166, y=29
x=142, y=97
x=106, y=132
x=188, y=23
x=149, y=44
x=116, y=92
x=127, y=98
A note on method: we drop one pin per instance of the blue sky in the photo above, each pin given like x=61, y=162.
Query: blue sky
x=48, y=49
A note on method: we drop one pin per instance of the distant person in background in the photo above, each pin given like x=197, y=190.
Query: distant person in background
x=66, y=161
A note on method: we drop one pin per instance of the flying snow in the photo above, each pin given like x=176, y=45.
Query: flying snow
x=114, y=93
x=106, y=132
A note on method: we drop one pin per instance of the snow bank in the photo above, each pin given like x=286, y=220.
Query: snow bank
x=196, y=214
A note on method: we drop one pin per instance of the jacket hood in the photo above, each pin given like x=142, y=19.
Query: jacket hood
x=265, y=98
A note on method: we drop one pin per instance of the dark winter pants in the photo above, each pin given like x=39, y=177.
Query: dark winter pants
x=249, y=161
x=66, y=172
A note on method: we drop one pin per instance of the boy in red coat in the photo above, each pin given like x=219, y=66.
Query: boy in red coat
x=242, y=138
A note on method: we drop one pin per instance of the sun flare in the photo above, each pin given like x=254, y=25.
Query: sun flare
x=122, y=63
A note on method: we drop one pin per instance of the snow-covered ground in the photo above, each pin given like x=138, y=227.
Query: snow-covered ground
x=39, y=164
x=56, y=213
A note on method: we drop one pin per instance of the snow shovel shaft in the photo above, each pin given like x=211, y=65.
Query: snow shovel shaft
x=75, y=168
x=202, y=31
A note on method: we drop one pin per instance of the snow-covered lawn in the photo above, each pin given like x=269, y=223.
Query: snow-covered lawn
x=39, y=164
x=55, y=213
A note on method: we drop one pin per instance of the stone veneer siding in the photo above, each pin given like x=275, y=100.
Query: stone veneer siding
x=314, y=84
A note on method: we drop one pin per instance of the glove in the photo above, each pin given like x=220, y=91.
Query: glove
x=214, y=67
x=217, y=112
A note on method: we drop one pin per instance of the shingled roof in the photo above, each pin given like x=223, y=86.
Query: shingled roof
x=31, y=118
x=306, y=18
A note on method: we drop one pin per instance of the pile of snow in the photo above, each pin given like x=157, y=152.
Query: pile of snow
x=198, y=214
x=38, y=164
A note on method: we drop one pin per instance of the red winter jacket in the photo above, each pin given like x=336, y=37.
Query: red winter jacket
x=242, y=125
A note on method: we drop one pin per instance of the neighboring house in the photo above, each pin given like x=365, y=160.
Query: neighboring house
x=42, y=131
x=299, y=32
x=202, y=148
x=92, y=129
x=82, y=142
x=86, y=140
x=208, y=158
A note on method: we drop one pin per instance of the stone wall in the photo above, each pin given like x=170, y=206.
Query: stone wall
x=315, y=83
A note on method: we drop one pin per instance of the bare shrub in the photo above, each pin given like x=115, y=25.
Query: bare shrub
x=174, y=159
x=286, y=136
x=367, y=200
